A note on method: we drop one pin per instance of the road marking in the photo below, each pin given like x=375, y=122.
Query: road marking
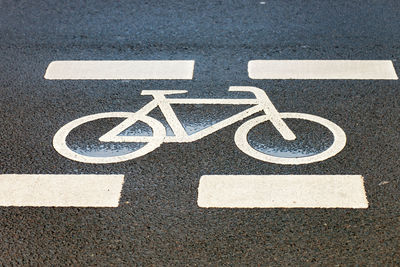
x=262, y=103
x=56, y=190
x=120, y=70
x=322, y=69
x=282, y=191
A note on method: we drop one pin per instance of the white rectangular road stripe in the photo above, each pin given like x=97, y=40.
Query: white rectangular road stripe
x=282, y=191
x=322, y=69
x=51, y=190
x=120, y=70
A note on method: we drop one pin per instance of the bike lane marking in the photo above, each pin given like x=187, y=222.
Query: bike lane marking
x=65, y=70
x=282, y=191
x=322, y=69
x=120, y=69
x=159, y=133
x=60, y=190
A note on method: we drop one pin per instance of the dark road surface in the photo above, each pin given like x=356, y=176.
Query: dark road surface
x=158, y=221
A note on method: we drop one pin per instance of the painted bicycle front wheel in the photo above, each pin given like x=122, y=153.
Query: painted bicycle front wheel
x=339, y=140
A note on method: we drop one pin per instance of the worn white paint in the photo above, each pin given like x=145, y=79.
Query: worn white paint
x=282, y=191
x=260, y=103
x=60, y=190
x=322, y=69
x=120, y=69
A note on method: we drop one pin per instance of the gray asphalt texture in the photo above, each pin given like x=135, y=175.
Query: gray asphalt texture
x=158, y=221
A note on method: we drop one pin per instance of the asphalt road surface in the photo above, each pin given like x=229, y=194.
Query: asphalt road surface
x=158, y=220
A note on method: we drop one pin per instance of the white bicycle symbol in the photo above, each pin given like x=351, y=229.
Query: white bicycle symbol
x=261, y=102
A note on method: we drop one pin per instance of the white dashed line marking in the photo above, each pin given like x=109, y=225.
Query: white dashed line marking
x=120, y=70
x=56, y=190
x=282, y=191
x=322, y=69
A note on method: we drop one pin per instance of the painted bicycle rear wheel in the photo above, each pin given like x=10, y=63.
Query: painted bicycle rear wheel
x=149, y=142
